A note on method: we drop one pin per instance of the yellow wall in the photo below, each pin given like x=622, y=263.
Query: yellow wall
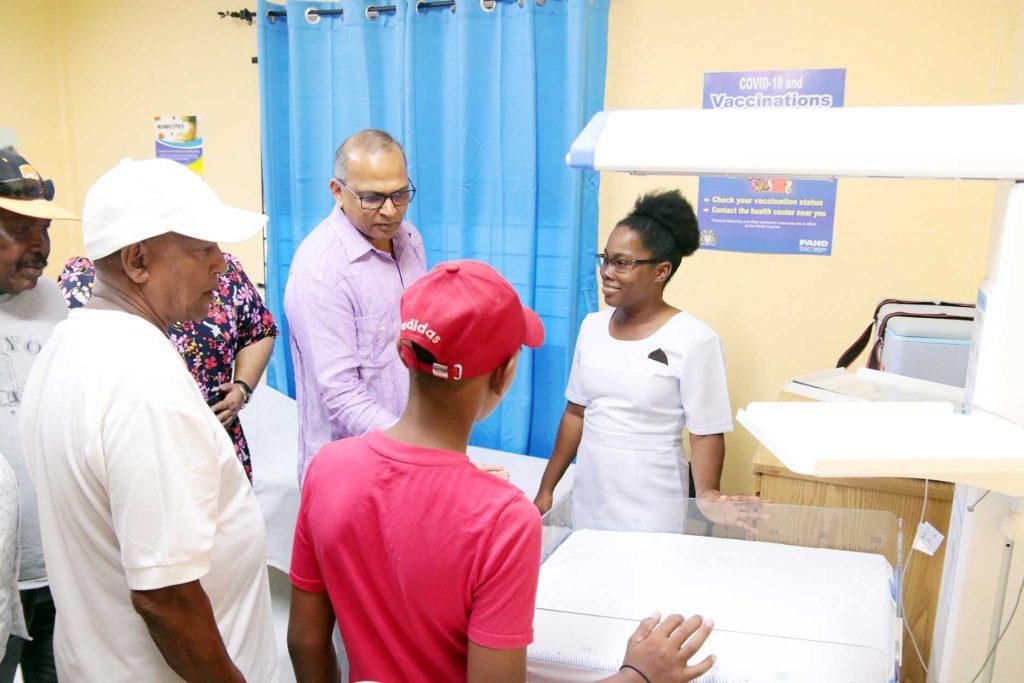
x=100, y=70
x=31, y=94
x=1015, y=86
x=781, y=316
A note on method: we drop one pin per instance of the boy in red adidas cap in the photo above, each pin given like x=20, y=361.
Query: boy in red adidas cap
x=430, y=564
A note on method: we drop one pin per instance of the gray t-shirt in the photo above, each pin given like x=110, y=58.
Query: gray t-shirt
x=26, y=321
x=12, y=618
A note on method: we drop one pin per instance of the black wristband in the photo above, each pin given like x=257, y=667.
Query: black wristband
x=641, y=673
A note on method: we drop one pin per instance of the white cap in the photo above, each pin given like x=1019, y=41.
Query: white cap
x=137, y=200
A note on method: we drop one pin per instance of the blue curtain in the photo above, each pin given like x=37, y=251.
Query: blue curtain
x=486, y=105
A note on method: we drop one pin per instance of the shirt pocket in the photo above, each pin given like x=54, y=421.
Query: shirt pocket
x=375, y=335
x=659, y=384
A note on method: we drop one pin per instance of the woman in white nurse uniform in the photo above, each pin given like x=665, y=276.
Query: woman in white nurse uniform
x=642, y=371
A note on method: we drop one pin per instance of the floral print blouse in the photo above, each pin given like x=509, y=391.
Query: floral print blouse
x=237, y=318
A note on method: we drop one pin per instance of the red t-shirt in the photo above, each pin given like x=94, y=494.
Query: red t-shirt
x=419, y=552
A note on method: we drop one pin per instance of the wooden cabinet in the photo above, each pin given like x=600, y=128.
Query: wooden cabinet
x=902, y=497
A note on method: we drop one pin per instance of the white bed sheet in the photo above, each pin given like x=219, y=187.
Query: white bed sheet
x=781, y=612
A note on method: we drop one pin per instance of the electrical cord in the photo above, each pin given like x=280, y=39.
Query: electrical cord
x=903, y=583
x=1001, y=633
x=903, y=580
x=970, y=508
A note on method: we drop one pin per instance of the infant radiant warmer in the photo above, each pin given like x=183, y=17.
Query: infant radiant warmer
x=811, y=596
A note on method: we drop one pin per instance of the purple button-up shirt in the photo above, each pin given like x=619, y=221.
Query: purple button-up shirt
x=342, y=304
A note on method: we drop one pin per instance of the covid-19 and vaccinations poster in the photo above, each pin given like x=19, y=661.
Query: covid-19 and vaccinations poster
x=769, y=215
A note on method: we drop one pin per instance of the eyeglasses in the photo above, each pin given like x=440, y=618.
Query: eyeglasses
x=26, y=188
x=371, y=201
x=622, y=265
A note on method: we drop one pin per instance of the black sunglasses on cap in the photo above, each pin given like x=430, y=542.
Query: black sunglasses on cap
x=26, y=188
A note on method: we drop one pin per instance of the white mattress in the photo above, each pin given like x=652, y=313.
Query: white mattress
x=781, y=612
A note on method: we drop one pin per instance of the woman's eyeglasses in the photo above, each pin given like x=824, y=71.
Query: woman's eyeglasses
x=622, y=265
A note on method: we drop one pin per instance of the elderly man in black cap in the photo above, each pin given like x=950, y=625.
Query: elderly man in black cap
x=30, y=307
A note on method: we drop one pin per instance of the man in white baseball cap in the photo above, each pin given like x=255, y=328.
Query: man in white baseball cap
x=145, y=510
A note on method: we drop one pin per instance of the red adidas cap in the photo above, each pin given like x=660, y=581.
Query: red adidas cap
x=468, y=317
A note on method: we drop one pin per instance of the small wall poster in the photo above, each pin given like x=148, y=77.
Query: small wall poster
x=178, y=138
x=769, y=215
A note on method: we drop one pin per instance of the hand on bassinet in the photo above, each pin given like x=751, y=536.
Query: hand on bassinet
x=660, y=651
x=742, y=511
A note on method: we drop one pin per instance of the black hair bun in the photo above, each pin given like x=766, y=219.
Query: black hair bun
x=670, y=210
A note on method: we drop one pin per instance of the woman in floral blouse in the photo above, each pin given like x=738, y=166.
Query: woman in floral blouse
x=226, y=352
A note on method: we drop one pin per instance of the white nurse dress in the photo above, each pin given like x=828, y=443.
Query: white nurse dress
x=631, y=469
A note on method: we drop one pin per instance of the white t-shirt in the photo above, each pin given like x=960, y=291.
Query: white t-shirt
x=653, y=387
x=139, y=488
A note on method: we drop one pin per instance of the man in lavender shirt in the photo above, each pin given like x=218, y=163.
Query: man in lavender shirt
x=343, y=293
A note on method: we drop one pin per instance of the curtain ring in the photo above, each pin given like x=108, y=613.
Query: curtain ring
x=490, y=5
x=271, y=18
x=371, y=12
x=312, y=15
x=420, y=3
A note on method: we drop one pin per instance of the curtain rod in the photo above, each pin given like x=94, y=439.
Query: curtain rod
x=313, y=14
x=372, y=11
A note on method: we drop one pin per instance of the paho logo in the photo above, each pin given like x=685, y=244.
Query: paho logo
x=415, y=325
x=814, y=244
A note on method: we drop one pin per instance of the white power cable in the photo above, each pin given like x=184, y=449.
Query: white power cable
x=903, y=583
x=1001, y=634
x=903, y=580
